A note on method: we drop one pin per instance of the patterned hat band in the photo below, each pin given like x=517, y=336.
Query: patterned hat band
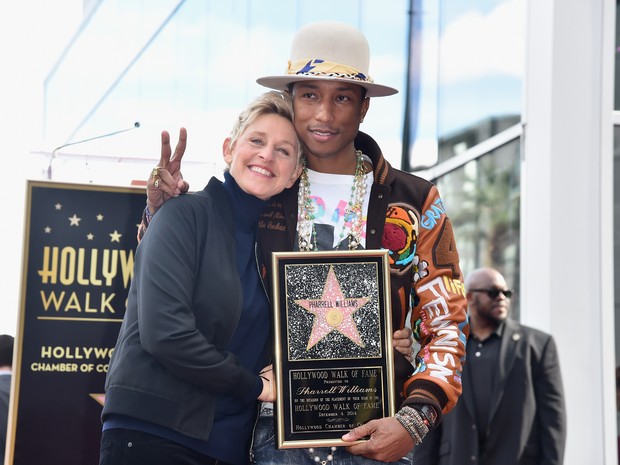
x=317, y=68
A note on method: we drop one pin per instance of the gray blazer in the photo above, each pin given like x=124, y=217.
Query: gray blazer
x=527, y=423
x=5, y=391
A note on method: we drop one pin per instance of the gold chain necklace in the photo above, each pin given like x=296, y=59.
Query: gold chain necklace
x=306, y=230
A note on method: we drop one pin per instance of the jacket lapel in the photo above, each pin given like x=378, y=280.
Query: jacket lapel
x=507, y=352
x=468, y=389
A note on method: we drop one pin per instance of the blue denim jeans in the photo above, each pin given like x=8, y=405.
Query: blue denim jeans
x=266, y=452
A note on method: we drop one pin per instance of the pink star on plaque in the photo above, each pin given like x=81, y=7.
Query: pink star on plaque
x=333, y=311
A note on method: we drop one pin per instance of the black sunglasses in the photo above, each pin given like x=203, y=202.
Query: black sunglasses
x=493, y=293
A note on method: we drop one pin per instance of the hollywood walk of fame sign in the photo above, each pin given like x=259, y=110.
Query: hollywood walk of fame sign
x=79, y=246
x=333, y=344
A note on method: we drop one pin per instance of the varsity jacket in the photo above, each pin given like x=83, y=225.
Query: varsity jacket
x=407, y=217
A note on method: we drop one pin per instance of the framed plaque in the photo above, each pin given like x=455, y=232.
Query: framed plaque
x=333, y=362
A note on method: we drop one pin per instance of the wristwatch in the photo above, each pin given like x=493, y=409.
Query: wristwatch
x=429, y=415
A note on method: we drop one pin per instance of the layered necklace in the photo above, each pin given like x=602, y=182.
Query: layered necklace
x=306, y=230
x=317, y=458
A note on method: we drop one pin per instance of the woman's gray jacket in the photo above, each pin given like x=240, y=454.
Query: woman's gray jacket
x=184, y=304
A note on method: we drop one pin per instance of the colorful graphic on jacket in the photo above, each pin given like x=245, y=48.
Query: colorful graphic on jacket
x=445, y=254
x=438, y=354
x=431, y=217
x=400, y=236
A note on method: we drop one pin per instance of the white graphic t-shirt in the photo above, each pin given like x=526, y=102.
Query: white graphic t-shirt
x=330, y=195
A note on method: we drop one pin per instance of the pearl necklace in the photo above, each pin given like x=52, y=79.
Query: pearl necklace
x=305, y=217
x=317, y=459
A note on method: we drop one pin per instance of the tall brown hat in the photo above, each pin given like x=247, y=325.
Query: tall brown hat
x=329, y=50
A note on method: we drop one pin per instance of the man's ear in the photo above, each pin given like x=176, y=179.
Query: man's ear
x=227, y=147
x=365, y=107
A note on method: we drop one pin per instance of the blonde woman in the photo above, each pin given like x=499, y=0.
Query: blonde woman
x=191, y=358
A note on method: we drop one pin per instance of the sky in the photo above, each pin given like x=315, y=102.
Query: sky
x=32, y=34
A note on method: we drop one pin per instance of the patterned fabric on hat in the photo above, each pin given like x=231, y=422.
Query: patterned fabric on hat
x=318, y=67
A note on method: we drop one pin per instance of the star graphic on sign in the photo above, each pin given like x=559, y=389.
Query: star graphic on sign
x=99, y=217
x=115, y=236
x=74, y=220
x=333, y=311
x=58, y=206
x=47, y=230
x=90, y=236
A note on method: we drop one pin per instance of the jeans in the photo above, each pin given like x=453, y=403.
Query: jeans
x=266, y=453
x=128, y=447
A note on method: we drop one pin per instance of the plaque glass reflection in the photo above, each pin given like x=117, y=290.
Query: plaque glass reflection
x=333, y=344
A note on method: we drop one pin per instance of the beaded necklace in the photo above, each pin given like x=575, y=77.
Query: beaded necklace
x=306, y=230
x=317, y=458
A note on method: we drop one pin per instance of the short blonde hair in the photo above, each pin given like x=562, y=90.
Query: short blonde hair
x=272, y=102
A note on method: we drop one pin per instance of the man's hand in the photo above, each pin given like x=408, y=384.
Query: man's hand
x=388, y=440
x=269, y=385
x=166, y=180
x=403, y=342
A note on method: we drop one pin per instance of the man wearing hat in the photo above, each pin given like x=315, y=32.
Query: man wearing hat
x=328, y=77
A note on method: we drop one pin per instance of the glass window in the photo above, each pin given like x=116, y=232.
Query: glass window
x=482, y=199
x=194, y=63
x=468, y=86
x=617, y=68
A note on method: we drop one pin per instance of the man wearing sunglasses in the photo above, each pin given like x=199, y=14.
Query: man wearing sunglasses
x=511, y=411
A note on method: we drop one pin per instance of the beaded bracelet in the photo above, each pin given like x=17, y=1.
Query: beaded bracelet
x=413, y=422
x=147, y=214
x=146, y=219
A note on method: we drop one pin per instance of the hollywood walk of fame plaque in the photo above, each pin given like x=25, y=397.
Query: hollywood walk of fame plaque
x=333, y=344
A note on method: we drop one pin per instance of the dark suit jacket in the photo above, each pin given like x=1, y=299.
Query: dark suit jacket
x=527, y=423
x=5, y=390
